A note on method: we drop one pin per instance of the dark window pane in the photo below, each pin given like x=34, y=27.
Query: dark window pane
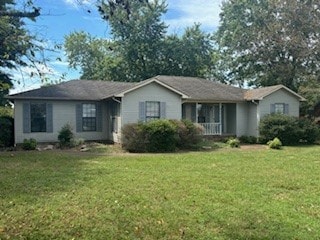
x=89, y=117
x=38, y=117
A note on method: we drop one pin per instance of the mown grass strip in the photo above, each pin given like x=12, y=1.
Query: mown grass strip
x=223, y=194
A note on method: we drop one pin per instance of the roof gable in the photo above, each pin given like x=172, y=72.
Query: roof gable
x=150, y=81
x=261, y=93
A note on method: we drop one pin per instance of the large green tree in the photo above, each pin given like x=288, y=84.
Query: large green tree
x=17, y=45
x=189, y=54
x=96, y=58
x=140, y=47
x=139, y=35
x=266, y=42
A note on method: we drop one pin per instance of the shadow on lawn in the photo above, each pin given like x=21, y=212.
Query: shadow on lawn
x=40, y=173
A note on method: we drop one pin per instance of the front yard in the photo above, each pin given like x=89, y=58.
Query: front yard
x=221, y=194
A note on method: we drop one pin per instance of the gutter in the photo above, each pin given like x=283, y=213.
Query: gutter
x=116, y=100
x=254, y=102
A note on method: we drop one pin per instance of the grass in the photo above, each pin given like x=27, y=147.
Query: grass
x=222, y=194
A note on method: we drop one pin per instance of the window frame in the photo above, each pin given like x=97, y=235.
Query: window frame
x=38, y=124
x=152, y=110
x=282, y=106
x=89, y=117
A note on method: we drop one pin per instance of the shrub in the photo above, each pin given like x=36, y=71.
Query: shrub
x=248, y=139
x=310, y=131
x=233, y=142
x=6, y=133
x=275, y=143
x=29, y=144
x=65, y=136
x=282, y=126
x=188, y=134
x=160, y=135
x=133, y=137
x=289, y=129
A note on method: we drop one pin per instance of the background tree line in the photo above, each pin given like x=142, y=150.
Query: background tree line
x=258, y=43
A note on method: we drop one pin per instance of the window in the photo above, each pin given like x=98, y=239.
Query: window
x=89, y=121
x=152, y=110
x=38, y=117
x=279, y=108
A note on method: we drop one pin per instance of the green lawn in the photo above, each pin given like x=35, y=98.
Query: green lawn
x=223, y=194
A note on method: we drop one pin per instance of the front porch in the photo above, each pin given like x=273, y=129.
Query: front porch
x=216, y=118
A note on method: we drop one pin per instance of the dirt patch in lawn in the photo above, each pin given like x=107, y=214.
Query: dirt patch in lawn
x=253, y=146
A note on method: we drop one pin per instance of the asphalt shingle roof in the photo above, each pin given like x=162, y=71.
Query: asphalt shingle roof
x=202, y=89
x=196, y=89
x=76, y=90
x=259, y=93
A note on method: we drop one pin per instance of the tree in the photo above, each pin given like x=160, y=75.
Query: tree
x=139, y=35
x=269, y=42
x=311, y=91
x=17, y=46
x=189, y=54
x=140, y=47
x=97, y=58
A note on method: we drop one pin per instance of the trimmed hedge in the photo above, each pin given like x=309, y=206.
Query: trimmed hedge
x=290, y=130
x=133, y=137
x=160, y=136
x=188, y=134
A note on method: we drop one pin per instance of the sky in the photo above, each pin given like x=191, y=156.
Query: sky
x=62, y=17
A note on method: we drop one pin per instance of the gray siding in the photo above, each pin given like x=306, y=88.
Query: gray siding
x=151, y=92
x=63, y=112
x=241, y=113
x=253, y=119
x=280, y=96
x=230, y=118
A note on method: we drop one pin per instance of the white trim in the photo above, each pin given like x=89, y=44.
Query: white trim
x=147, y=82
x=282, y=87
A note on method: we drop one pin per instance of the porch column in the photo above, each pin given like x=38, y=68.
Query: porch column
x=220, y=118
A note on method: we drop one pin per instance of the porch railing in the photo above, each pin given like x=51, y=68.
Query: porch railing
x=211, y=128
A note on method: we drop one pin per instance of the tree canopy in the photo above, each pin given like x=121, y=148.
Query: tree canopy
x=269, y=42
x=17, y=46
x=140, y=47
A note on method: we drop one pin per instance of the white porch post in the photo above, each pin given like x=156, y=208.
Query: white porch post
x=220, y=118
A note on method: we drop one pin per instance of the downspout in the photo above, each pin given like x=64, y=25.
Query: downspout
x=118, y=130
x=196, y=112
x=220, y=118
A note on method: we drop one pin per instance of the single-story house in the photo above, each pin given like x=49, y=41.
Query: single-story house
x=97, y=110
